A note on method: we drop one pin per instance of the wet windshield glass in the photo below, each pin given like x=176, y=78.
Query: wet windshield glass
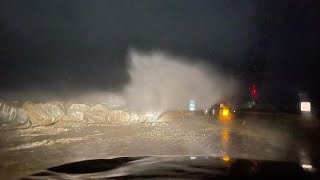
x=86, y=80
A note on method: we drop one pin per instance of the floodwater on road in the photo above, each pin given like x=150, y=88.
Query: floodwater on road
x=23, y=152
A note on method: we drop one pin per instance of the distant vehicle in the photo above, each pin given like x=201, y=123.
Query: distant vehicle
x=219, y=111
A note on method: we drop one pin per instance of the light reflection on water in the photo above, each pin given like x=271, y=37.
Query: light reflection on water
x=224, y=143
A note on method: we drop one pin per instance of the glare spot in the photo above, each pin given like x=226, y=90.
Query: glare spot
x=305, y=106
x=307, y=167
x=226, y=159
x=225, y=112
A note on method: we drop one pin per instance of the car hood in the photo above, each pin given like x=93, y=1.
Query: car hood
x=190, y=167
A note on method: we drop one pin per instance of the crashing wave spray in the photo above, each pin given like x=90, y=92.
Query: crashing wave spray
x=161, y=82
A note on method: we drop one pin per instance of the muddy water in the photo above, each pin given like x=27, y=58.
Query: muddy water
x=28, y=151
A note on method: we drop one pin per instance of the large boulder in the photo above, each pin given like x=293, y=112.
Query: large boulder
x=129, y=117
x=76, y=111
x=43, y=114
x=171, y=116
x=149, y=117
x=96, y=114
x=66, y=121
x=12, y=116
x=63, y=119
x=21, y=117
x=141, y=117
x=118, y=117
x=135, y=117
x=56, y=107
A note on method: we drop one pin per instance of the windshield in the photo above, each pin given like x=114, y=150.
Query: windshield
x=86, y=80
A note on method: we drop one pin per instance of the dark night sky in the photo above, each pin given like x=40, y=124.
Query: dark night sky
x=47, y=44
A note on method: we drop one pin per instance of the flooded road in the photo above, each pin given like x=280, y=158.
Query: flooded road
x=24, y=152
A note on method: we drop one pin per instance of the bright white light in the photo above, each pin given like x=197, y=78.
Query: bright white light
x=193, y=157
x=305, y=106
x=307, y=167
x=192, y=105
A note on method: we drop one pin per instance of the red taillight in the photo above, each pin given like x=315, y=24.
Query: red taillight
x=254, y=91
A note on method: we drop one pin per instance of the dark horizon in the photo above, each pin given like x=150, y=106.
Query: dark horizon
x=84, y=44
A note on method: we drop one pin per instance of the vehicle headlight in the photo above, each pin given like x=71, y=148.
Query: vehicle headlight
x=225, y=112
